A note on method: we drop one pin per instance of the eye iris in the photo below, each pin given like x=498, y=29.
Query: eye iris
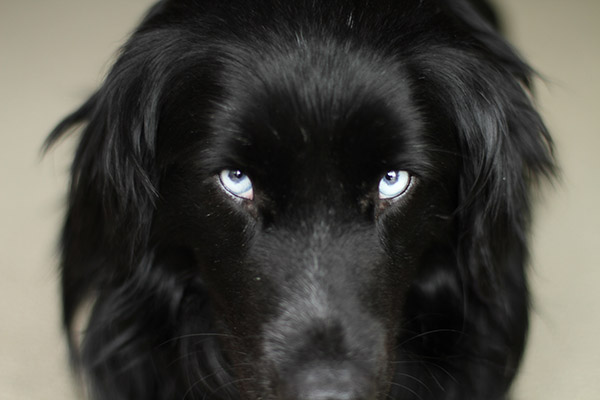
x=237, y=183
x=393, y=184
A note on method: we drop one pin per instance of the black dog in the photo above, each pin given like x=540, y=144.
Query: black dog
x=304, y=200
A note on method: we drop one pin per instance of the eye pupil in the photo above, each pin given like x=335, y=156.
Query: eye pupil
x=236, y=175
x=391, y=176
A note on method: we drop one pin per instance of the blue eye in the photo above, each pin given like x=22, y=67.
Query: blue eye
x=393, y=184
x=236, y=183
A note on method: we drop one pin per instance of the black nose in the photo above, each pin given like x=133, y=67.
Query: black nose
x=329, y=383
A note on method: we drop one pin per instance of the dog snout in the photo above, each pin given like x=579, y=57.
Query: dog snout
x=335, y=382
x=327, y=358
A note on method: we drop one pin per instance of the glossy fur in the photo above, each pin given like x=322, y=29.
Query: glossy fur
x=315, y=289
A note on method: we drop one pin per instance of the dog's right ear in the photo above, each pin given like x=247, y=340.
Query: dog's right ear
x=115, y=172
x=112, y=175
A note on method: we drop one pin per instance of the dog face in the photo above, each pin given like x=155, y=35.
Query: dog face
x=310, y=200
x=307, y=201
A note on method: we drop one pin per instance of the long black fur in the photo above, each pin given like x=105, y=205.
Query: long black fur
x=315, y=289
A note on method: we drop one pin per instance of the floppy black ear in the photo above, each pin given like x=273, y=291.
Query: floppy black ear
x=505, y=150
x=482, y=90
x=115, y=171
x=114, y=190
x=483, y=87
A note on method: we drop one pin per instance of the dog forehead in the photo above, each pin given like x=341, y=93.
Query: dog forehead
x=315, y=93
x=316, y=77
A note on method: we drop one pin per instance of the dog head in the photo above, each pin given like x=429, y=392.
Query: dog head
x=304, y=201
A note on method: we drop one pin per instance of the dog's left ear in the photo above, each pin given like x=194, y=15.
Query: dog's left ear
x=505, y=148
x=505, y=151
x=482, y=89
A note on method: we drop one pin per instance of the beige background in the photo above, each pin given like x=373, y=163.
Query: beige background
x=54, y=52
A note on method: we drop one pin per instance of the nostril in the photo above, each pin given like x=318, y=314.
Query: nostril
x=328, y=383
